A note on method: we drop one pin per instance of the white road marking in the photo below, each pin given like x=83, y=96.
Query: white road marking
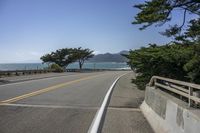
x=97, y=119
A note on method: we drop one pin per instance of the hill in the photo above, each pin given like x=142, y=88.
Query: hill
x=108, y=57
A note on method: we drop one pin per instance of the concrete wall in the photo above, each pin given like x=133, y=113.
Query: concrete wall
x=167, y=114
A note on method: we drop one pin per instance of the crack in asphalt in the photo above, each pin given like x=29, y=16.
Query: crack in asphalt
x=51, y=106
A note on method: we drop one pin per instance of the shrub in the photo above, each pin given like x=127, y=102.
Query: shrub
x=56, y=68
x=176, y=61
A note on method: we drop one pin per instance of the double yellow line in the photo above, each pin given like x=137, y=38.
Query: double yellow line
x=58, y=86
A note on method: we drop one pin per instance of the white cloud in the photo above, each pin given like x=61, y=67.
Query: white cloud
x=96, y=52
x=34, y=53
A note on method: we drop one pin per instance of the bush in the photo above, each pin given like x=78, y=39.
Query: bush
x=176, y=61
x=56, y=68
x=141, y=81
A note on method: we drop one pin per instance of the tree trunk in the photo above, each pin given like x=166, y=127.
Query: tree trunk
x=80, y=65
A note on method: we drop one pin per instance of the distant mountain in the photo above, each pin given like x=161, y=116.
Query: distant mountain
x=124, y=52
x=108, y=57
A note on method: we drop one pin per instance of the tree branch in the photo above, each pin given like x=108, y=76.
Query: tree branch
x=184, y=17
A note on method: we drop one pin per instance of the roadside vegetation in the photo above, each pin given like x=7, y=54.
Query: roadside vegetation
x=61, y=58
x=56, y=68
x=180, y=58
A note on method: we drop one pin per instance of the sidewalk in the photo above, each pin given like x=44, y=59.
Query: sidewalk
x=123, y=114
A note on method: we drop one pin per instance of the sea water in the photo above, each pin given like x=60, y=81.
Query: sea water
x=89, y=65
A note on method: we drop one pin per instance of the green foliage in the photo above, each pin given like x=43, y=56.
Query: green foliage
x=192, y=67
x=63, y=57
x=152, y=12
x=141, y=81
x=56, y=68
x=193, y=32
x=160, y=11
x=189, y=36
x=180, y=60
x=82, y=55
x=173, y=61
x=48, y=58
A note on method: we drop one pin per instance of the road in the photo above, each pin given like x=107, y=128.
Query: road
x=65, y=104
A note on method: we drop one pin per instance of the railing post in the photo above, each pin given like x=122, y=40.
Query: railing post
x=155, y=80
x=190, y=94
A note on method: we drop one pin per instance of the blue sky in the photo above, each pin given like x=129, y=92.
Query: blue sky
x=31, y=28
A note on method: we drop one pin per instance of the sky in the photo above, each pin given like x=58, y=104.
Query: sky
x=32, y=28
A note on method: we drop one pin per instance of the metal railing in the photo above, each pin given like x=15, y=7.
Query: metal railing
x=23, y=72
x=183, y=89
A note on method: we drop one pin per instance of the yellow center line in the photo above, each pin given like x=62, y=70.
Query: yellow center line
x=58, y=86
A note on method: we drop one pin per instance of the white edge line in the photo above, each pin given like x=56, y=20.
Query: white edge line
x=97, y=119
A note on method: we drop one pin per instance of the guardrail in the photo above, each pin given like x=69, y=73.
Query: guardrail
x=184, y=89
x=23, y=72
x=90, y=70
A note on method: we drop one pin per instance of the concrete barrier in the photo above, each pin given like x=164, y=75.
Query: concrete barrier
x=168, y=114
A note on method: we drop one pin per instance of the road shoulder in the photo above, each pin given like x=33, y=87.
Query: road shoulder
x=123, y=113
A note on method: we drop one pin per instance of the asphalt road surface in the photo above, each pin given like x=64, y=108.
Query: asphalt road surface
x=65, y=104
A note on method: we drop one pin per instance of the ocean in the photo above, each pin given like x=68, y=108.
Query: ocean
x=89, y=65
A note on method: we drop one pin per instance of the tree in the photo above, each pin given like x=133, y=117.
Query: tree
x=160, y=11
x=192, y=67
x=167, y=61
x=47, y=58
x=82, y=55
x=178, y=60
x=190, y=36
x=62, y=57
